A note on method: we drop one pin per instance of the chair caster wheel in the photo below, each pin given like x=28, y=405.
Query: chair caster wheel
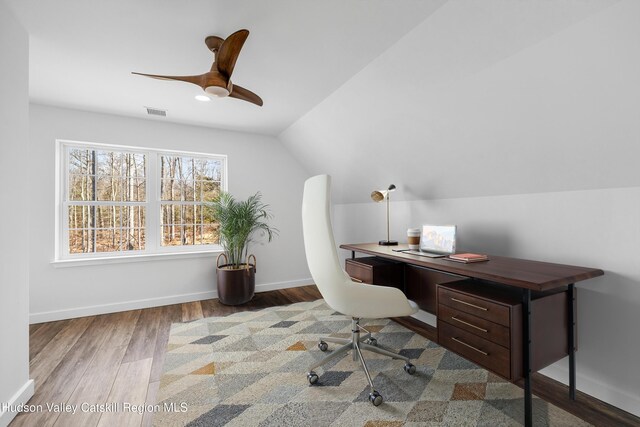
x=410, y=369
x=373, y=341
x=312, y=377
x=323, y=346
x=375, y=398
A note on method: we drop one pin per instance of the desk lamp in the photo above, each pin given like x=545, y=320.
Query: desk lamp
x=378, y=196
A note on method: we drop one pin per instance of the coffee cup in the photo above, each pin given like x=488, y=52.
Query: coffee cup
x=413, y=238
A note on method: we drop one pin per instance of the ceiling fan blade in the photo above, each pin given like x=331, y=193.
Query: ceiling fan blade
x=245, y=94
x=196, y=80
x=229, y=51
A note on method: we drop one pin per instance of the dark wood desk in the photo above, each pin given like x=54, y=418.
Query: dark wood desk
x=496, y=281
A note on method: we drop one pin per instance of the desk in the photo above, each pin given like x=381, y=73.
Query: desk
x=531, y=281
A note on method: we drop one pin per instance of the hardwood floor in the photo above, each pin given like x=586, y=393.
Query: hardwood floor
x=116, y=357
x=119, y=357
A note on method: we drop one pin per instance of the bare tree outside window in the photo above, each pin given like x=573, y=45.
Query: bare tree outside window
x=106, y=197
x=187, y=185
x=106, y=194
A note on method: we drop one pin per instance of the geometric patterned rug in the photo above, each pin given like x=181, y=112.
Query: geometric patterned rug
x=249, y=369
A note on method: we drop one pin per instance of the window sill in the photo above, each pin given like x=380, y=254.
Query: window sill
x=64, y=263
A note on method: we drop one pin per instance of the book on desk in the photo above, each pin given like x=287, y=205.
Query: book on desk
x=467, y=257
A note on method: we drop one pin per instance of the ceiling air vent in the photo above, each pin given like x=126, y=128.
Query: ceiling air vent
x=156, y=112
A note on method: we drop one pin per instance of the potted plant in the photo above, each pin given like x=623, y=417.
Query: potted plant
x=239, y=221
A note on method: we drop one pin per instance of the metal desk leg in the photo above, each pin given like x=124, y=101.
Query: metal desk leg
x=526, y=354
x=572, y=341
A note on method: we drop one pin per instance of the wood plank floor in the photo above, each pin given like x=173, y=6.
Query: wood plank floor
x=119, y=357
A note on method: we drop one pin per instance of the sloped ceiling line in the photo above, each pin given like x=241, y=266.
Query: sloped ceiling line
x=492, y=98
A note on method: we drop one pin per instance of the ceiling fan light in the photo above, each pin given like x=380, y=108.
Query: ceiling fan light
x=203, y=98
x=217, y=91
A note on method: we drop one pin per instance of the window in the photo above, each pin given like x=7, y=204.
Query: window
x=106, y=200
x=118, y=201
x=186, y=184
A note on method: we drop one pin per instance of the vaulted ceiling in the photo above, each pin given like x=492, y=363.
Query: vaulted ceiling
x=487, y=98
x=457, y=98
x=82, y=53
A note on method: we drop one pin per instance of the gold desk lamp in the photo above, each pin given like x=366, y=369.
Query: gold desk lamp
x=378, y=196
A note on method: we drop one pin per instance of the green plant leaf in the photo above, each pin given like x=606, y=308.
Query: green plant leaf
x=239, y=222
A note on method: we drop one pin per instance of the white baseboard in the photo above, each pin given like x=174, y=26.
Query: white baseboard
x=22, y=396
x=593, y=388
x=71, y=313
x=92, y=310
x=284, y=285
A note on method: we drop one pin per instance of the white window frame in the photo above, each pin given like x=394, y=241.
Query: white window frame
x=153, y=232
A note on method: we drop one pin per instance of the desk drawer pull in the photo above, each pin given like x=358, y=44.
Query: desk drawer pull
x=356, y=280
x=469, y=304
x=470, y=346
x=469, y=324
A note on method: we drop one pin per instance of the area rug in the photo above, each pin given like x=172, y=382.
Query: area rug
x=249, y=369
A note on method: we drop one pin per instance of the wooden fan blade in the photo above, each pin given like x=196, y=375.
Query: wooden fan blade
x=196, y=80
x=245, y=94
x=229, y=51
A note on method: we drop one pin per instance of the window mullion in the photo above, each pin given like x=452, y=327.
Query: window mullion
x=153, y=185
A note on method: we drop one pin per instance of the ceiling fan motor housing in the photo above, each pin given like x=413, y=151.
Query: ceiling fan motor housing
x=217, y=91
x=216, y=84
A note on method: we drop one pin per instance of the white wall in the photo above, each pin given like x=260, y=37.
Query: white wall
x=15, y=386
x=487, y=98
x=519, y=122
x=254, y=163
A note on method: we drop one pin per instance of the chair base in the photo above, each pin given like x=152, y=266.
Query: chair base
x=356, y=344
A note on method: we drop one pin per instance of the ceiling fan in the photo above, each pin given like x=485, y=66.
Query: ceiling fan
x=217, y=82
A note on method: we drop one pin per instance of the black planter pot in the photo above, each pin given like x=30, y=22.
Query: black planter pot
x=236, y=285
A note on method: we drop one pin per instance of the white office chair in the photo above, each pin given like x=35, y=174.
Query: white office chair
x=339, y=291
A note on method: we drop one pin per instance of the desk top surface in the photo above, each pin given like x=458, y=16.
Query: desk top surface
x=535, y=275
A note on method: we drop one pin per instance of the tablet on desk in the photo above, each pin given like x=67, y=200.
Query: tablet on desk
x=421, y=253
x=436, y=241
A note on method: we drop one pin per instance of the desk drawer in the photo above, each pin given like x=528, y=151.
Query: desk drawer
x=478, y=350
x=359, y=272
x=481, y=327
x=376, y=271
x=479, y=307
